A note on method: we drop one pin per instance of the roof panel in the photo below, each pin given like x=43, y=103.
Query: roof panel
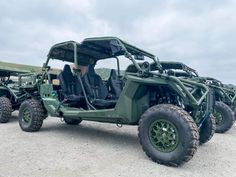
x=94, y=48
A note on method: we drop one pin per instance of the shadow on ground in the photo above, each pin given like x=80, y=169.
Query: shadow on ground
x=96, y=132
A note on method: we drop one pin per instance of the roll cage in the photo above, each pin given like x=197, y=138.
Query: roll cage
x=90, y=50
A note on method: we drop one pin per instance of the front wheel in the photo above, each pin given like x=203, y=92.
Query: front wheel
x=31, y=115
x=168, y=134
x=224, y=117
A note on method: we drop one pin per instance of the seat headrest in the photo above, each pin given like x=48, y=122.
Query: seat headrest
x=67, y=69
x=91, y=70
x=67, y=72
x=113, y=73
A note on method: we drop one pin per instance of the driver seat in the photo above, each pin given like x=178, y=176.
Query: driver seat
x=71, y=89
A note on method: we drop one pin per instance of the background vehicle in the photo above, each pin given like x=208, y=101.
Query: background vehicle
x=10, y=95
x=225, y=98
x=224, y=93
x=167, y=132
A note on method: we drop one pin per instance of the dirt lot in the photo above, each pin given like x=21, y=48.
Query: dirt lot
x=102, y=150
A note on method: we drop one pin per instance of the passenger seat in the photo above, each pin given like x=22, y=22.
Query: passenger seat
x=115, y=84
x=96, y=90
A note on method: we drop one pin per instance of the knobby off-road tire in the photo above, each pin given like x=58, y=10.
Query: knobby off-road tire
x=5, y=109
x=224, y=117
x=31, y=115
x=168, y=135
x=234, y=115
x=70, y=121
x=207, y=130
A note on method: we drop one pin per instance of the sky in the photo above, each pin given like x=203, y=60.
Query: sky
x=201, y=34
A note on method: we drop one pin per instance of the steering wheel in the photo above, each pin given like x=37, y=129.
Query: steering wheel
x=145, y=66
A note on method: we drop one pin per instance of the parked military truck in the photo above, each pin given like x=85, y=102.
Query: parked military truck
x=168, y=130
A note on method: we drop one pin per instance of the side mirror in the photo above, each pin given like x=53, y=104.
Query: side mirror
x=46, y=67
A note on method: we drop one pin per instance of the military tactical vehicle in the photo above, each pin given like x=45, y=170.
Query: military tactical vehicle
x=225, y=98
x=224, y=93
x=10, y=95
x=168, y=114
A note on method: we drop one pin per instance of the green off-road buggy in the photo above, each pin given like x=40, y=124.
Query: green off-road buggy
x=10, y=95
x=225, y=98
x=231, y=89
x=169, y=117
x=226, y=95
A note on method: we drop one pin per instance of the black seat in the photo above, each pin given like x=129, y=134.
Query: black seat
x=96, y=90
x=70, y=86
x=115, y=84
x=97, y=87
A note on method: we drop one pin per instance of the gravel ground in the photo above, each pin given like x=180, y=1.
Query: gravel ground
x=102, y=150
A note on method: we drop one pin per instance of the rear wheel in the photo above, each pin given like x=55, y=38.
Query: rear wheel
x=31, y=115
x=5, y=109
x=207, y=129
x=168, y=134
x=234, y=115
x=224, y=117
x=70, y=121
